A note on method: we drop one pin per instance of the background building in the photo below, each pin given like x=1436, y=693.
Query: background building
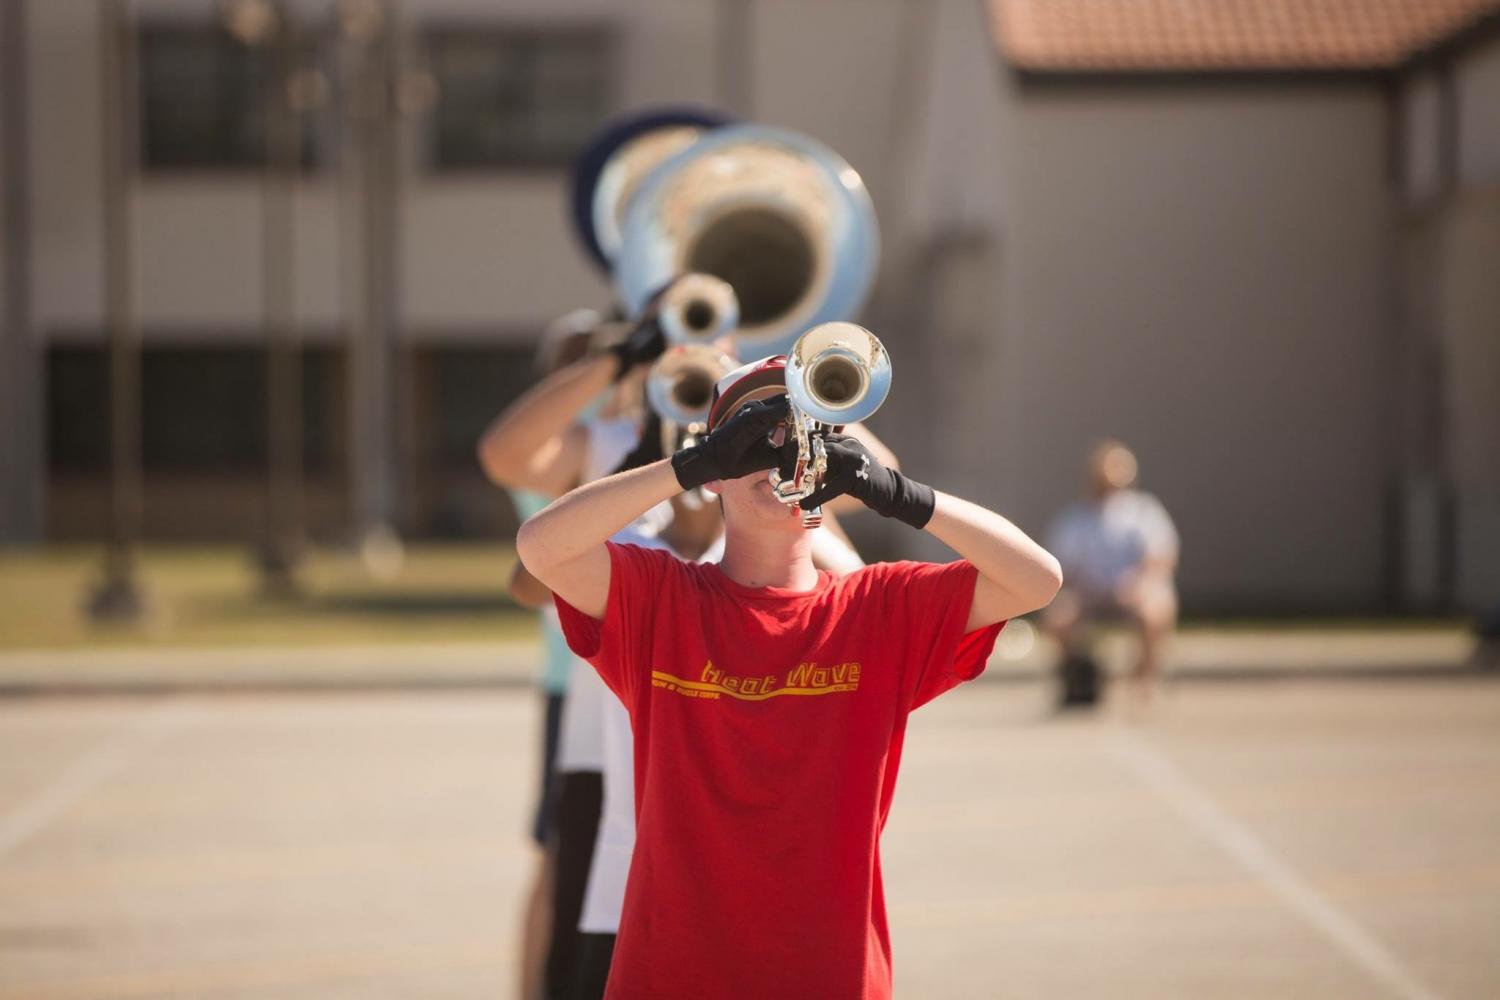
x=1254, y=240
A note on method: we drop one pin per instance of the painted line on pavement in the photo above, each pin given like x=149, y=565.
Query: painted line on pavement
x=1167, y=780
x=87, y=772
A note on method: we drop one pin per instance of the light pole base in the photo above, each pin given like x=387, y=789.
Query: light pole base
x=278, y=571
x=118, y=599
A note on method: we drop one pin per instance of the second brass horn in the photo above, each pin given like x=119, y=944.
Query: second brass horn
x=697, y=309
x=783, y=219
x=680, y=386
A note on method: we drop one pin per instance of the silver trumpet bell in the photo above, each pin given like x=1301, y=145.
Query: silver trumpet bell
x=836, y=374
x=694, y=313
x=680, y=386
x=697, y=309
x=782, y=218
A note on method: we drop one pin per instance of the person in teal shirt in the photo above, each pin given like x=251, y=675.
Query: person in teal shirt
x=557, y=660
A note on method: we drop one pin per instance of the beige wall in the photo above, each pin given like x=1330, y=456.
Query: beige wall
x=1468, y=261
x=1478, y=82
x=1203, y=271
x=65, y=154
x=1471, y=334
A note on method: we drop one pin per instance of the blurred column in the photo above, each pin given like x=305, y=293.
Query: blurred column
x=414, y=92
x=267, y=27
x=734, y=56
x=22, y=462
x=367, y=60
x=118, y=596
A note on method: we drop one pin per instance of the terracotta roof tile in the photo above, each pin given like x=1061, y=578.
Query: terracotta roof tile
x=1192, y=35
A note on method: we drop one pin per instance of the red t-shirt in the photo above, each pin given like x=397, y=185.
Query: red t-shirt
x=768, y=729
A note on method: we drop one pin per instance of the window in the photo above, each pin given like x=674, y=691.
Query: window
x=203, y=409
x=523, y=98
x=203, y=96
x=466, y=387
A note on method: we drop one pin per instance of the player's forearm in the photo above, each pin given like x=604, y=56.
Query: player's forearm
x=543, y=413
x=585, y=518
x=1002, y=553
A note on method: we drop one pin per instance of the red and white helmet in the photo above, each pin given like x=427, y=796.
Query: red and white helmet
x=761, y=379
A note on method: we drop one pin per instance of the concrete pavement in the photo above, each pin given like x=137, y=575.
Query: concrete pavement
x=1316, y=839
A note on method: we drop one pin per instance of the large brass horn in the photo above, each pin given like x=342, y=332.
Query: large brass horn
x=836, y=373
x=779, y=216
x=615, y=160
x=623, y=174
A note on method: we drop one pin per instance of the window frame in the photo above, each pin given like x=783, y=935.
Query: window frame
x=433, y=33
x=319, y=150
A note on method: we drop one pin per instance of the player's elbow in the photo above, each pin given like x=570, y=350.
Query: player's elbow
x=498, y=467
x=532, y=547
x=1045, y=580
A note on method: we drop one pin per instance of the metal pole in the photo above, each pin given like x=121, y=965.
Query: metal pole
x=405, y=99
x=22, y=467
x=381, y=280
x=369, y=275
x=281, y=548
x=119, y=596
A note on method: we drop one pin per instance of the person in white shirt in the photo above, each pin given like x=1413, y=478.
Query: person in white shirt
x=1118, y=549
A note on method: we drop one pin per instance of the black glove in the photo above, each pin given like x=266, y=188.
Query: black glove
x=643, y=345
x=646, y=341
x=737, y=447
x=853, y=470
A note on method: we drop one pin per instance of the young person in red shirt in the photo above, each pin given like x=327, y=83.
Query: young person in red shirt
x=769, y=700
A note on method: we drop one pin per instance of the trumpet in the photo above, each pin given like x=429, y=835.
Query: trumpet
x=836, y=374
x=694, y=312
x=680, y=388
x=697, y=309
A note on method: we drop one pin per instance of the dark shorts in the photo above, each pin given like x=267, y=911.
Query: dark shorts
x=546, y=805
x=595, y=951
x=580, y=803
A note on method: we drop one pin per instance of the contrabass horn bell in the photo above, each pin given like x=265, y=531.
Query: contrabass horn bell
x=836, y=374
x=783, y=219
x=618, y=158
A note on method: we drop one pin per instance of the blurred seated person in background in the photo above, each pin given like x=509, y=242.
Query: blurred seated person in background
x=1118, y=550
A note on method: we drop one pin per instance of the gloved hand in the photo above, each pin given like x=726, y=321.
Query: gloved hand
x=737, y=447
x=853, y=470
x=644, y=344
